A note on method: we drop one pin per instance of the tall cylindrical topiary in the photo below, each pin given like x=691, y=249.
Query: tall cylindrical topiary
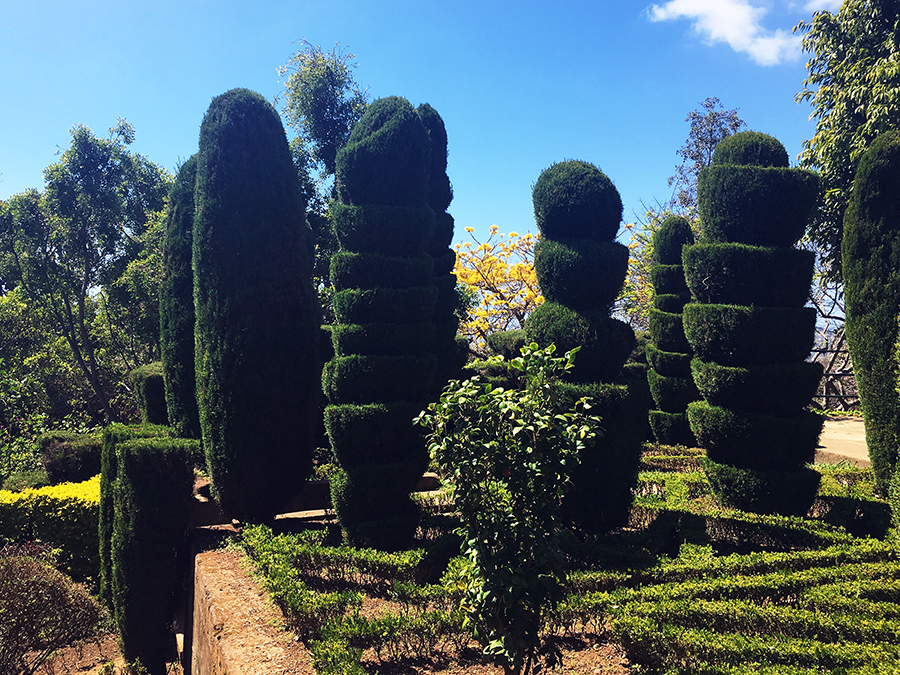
x=257, y=316
x=176, y=305
x=382, y=373
x=750, y=330
x=871, y=262
x=580, y=269
x=669, y=375
x=440, y=194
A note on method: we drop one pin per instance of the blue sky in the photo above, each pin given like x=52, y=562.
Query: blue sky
x=520, y=85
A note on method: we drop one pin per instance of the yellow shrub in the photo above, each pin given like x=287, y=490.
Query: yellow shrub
x=64, y=516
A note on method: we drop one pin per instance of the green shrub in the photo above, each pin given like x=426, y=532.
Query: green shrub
x=41, y=611
x=760, y=491
x=671, y=394
x=667, y=329
x=738, y=274
x=673, y=427
x=376, y=228
x=761, y=206
x=737, y=335
x=69, y=457
x=774, y=389
x=440, y=193
x=583, y=275
x=150, y=388
x=672, y=364
x=750, y=148
x=371, y=170
x=507, y=343
x=871, y=263
x=257, y=329
x=575, y=200
x=382, y=338
x=378, y=379
x=154, y=479
x=373, y=432
x=176, y=305
x=672, y=303
x=668, y=241
x=385, y=305
x=754, y=441
x=21, y=480
x=668, y=279
x=350, y=269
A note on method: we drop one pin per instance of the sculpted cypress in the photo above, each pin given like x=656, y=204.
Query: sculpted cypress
x=257, y=316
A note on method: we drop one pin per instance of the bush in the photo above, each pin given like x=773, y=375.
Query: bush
x=41, y=610
x=783, y=492
x=257, y=329
x=583, y=275
x=350, y=269
x=150, y=388
x=871, y=263
x=574, y=199
x=385, y=305
x=673, y=364
x=670, y=239
x=755, y=205
x=176, y=305
x=737, y=335
x=374, y=433
x=507, y=343
x=440, y=193
x=738, y=274
x=668, y=279
x=672, y=303
x=371, y=168
x=675, y=428
x=154, y=479
x=750, y=148
x=671, y=394
x=376, y=228
x=69, y=457
x=378, y=379
x=667, y=329
x=387, y=339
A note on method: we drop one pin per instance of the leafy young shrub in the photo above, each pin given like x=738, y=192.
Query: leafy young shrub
x=41, y=610
x=510, y=455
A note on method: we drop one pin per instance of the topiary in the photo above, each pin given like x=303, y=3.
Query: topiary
x=176, y=305
x=149, y=385
x=750, y=148
x=257, y=314
x=870, y=255
x=575, y=200
x=69, y=457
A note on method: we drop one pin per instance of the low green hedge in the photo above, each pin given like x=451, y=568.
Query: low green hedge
x=69, y=457
x=738, y=274
x=150, y=388
x=580, y=273
x=752, y=441
x=762, y=206
x=372, y=270
x=378, y=379
x=507, y=343
x=385, y=305
x=672, y=428
x=775, y=390
x=785, y=492
x=735, y=335
x=382, y=338
x=390, y=230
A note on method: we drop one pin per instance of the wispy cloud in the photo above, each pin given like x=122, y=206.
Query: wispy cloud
x=737, y=23
x=816, y=5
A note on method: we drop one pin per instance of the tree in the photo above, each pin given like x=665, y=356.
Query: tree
x=498, y=274
x=79, y=236
x=853, y=87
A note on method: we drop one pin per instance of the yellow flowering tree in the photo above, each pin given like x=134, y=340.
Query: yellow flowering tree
x=499, y=274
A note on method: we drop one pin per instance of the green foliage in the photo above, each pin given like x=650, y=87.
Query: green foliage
x=350, y=269
x=388, y=339
x=373, y=432
x=387, y=229
x=761, y=206
x=671, y=394
x=668, y=241
x=871, y=263
x=668, y=279
x=672, y=364
x=738, y=335
x=760, y=491
x=510, y=455
x=739, y=274
x=440, y=193
x=378, y=379
x=41, y=611
x=672, y=427
x=413, y=304
x=751, y=148
x=575, y=200
x=507, y=343
x=176, y=305
x=257, y=315
x=69, y=457
x=667, y=329
x=852, y=88
x=582, y=275
x=370, y=170
x=671, y=303
x=150, y=388
x=152, y=494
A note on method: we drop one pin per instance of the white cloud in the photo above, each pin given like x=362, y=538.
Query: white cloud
x=735, y=22
x=816, y=5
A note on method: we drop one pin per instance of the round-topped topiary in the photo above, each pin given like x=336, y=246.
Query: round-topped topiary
x=574, y=199
x=751, y=148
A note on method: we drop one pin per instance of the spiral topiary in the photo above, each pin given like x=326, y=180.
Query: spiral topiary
x=749, y=329
x=581, y=269
x=382, y=373
x=669, y=375
x=257, y=314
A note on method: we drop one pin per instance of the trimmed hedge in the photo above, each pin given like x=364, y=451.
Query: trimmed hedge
x=154, y=478
x=376, y=228
x=674, y=427
x=388, y=339
x=762, y=206
x=68, y=457
x=671, y=394
x=774, y=389
x=373, y=432
x=750, y=148
x=737, y=335
x=583, y=275
x=507, y=343
x=670, y=239
x=150, y=388
x=440, y=193
x=739, y=274
x=378, y=379
x=759, y=491
x=667, y=329
x=350, y=269
x=673, y=303
x=575, y=200
x=753, y=441
x=870, y=253
x=176, y=305
x=673, y=364
x=385, y=305
x=668, y=279
x=258, y=316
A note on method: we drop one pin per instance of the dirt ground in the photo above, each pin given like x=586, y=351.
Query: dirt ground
x=843, y=438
